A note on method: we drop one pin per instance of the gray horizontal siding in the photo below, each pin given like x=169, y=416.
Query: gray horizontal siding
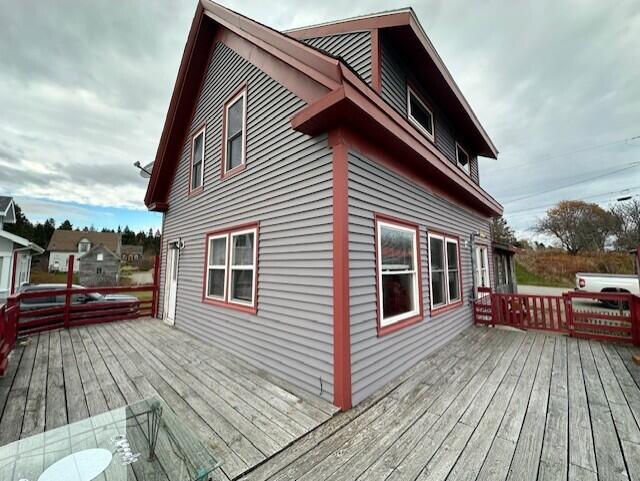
x=374, y=189
x=394, y=74
x=354, y=48
x=286, y=187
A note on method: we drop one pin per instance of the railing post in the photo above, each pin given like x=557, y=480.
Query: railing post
x=634, y=305
x=67, y=297
x=568, y=308
x=156, y=283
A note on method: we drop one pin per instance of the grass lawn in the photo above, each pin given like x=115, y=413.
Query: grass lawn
x=528, y=278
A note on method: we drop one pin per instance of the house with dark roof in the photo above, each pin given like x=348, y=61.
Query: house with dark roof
x=322, y=208
x=64, y=243
x=15, y=252
x=131, y=253
x=100, y=266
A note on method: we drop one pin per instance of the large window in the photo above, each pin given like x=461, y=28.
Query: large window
x=231, y=267
x=398, y=272
x=481, y=262
x=462, y=158
x=419, y=113
x=235, y=125
x=444, y=270
x=197, y=161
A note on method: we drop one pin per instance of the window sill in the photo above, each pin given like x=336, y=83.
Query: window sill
x=231, y=305
x=232, y=172
x=449, y=307
x=385, y=330
x=196, y=191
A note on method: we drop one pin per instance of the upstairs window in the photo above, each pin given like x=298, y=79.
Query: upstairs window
x=398, y=272
x=444, y=271
x=197, y=160
x=419, y=113
x=231, y=268
x=462, y=159
x=83, y=246
x=234, y=136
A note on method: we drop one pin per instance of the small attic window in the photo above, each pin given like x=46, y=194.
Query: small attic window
x=83, y=246
x=100, y=257
x=197, y=161
x=234, y=133
x=419, y=114
x=462, y=158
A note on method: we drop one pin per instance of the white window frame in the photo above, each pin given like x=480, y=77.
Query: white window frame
x=217, y=266
x=445, y=240
x=482, y=253
x=225, y=144
x=251, y=267
x=83, y=242
x=416, y=289
x=466, y=168
x=202, y=131
x=413, y=120
x=99, y=257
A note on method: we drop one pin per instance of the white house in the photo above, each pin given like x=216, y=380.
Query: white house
x=65, y=243
x=15, y=252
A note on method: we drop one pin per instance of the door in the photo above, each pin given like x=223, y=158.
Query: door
x=481, y=262
x=171, y=285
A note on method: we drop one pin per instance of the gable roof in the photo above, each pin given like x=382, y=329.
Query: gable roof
x=128, y=249
x=7, y=209
x=99, y=248
x=67, y=240
x=333, y=92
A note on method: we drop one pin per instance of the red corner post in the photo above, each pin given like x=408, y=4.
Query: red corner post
x=156, y=282
x=341, y=317
x=67, y=297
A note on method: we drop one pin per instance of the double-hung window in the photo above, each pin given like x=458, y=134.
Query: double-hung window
x=398, y=272
x=462, y=158
x=481, y=262
x=235, y=126
x=419, y=114
x=444, y=270
x=197, y=161
x=231, y=267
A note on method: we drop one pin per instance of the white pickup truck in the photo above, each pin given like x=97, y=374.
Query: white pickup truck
x=607, y=283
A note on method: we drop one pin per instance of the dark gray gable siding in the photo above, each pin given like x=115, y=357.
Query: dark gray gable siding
x=374, y=189
x=393, y=77
x=354, y=48
x=286, y=187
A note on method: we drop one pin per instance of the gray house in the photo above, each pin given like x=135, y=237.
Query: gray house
x=322, y=212
x=98, y=267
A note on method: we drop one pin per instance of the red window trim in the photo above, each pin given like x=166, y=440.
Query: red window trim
x=225, y=174
x=202, y=128
x=384, y=330
x=253, y=309
x=434, y=311
x=416, y=90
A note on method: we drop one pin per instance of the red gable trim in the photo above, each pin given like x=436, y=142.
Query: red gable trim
x=382, y=20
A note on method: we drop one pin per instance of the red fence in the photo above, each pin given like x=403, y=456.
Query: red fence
x=592, y=315
x=72, y=306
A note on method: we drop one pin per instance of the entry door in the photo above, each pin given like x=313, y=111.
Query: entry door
x=171, y=290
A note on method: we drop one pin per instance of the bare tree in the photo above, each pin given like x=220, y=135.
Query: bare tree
x=501, y=232
x=628, y=224
x=578, y=225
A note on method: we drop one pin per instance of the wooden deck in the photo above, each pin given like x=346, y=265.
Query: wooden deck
x=63, y=376
x=492, y=404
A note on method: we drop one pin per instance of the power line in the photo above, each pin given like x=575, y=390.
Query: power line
x=564, y=154
x=588, y=179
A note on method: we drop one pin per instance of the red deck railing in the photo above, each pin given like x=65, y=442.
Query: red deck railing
x=16, y=319
x=592, y=315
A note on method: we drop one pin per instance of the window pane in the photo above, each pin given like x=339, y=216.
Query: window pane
x=216, y=283
x=437, y=288
x=397, y=294
x=452, y=255
x=454, y=286
x=197, y=148
x=242, y=285
x=419, y=113
x=436, y=253
x=234, y=152
x=242, y=249
x=234, y=118
x=397, y=249
x=196, y=175
x=218, y=251
x=463, y=158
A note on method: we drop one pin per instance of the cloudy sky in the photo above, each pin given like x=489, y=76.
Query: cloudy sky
x=84, y=88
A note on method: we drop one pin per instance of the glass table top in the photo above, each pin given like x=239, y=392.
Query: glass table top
x=144, y=441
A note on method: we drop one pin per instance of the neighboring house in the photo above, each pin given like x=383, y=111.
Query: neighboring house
x=504, y=266
x=131, y=253
x=320, y=197
x=65, y=243
x=98, y=267
x=15, y=252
